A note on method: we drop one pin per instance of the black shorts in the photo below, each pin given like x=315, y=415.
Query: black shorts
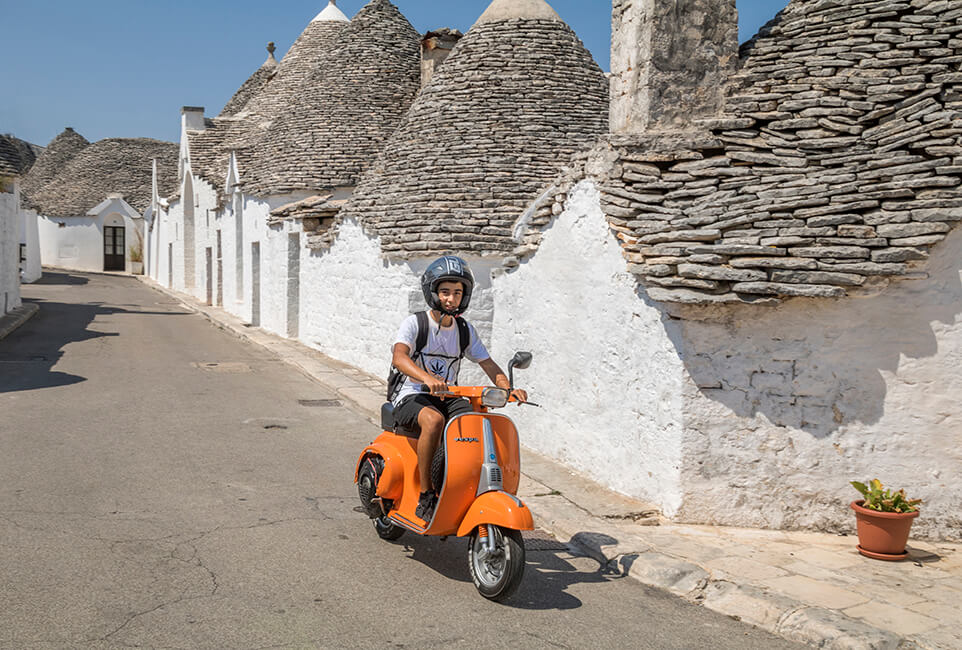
x=406, y=413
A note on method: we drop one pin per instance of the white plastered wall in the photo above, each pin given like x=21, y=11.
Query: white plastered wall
x=9, y=248
x=604, y=369
x=353, y=301
x=30, y=236
x=77, y=243
x=787, y=405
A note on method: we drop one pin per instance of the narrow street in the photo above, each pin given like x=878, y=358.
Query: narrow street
x=165, y=485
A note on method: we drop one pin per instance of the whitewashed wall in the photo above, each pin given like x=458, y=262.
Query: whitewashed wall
x=353, y=301
x=788, y=404
x=77, y=243
x=10, y=249
x=30, y=235
x=604, y=370
x=747, y=415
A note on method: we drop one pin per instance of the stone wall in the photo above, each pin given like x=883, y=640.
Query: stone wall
x=670, y=61
x=836, y=167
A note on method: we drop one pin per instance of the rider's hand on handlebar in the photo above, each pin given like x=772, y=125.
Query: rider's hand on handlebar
x=435, y=385
x=519, y=395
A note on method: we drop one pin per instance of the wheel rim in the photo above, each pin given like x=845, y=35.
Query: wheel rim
x=490, y=567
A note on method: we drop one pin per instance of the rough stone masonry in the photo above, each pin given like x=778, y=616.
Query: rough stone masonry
x=834, y=165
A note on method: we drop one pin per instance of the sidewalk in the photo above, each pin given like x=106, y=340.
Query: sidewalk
x=812, y=588
x=14, y=319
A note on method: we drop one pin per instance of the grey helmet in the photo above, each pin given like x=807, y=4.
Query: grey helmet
x=447, y=269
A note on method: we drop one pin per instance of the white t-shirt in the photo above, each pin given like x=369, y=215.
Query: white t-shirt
x=440, y=353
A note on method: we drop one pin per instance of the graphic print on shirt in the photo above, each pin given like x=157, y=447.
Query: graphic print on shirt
x=439, y=368
x=440, y=355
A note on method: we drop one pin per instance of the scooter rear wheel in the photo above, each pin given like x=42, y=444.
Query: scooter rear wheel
x=366, y=489
x=497, y=575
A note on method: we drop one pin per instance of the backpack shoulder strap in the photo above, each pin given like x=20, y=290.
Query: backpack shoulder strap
x=464, y=334
x=422, y=338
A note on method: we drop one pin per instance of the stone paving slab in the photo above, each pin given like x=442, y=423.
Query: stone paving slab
x=809, y=587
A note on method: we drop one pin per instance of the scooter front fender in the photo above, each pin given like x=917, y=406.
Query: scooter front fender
x=499, y=509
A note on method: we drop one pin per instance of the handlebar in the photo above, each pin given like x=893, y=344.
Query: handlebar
x=472, y=392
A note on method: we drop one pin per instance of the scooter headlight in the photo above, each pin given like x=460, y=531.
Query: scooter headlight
x=494, y=397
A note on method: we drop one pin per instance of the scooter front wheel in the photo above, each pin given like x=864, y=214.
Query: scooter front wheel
x=496, y=561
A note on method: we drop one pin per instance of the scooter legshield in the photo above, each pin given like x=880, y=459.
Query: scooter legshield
x=498, y=508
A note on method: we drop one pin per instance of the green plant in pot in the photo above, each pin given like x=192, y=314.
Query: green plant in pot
x=884, y=519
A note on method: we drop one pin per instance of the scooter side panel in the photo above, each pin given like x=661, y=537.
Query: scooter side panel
x=400, y=466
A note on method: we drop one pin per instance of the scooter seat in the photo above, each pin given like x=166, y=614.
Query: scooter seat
x=388, y=423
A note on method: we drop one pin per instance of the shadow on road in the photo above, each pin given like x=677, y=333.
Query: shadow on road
x=29, y=355
x=547, y=577
x=64, y=278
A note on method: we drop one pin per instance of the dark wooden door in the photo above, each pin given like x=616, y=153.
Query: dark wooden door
x=114, y=247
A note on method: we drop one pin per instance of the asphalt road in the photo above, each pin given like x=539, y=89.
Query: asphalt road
x=161, y=486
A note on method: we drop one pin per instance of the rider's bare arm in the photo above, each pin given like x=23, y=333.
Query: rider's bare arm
x=496, y=374
x=402, y=361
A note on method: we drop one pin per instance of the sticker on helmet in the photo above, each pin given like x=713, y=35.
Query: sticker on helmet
x=454, y=265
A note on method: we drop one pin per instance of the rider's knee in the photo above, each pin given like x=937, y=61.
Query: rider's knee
x=431, y=422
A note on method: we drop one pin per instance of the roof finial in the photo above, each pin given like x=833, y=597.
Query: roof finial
x=331, y=12
x=271, y=49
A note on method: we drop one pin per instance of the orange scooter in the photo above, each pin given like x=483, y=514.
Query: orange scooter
x=477, y=468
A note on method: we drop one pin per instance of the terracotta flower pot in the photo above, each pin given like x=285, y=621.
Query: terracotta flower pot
x=882, y=535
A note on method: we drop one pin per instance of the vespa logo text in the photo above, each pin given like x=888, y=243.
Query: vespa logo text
x=466, y=440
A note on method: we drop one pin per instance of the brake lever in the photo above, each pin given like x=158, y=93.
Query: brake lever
x=531, y=404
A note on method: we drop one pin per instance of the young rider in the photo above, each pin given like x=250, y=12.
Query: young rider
x=447, y=285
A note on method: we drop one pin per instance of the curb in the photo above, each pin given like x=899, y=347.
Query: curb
x=14, y=319
x=566, y=519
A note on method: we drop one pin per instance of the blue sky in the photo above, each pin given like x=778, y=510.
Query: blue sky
x=123, y=68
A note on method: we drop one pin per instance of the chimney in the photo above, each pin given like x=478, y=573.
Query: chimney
x=435, y=48
x=192, y=118
x=670, y=60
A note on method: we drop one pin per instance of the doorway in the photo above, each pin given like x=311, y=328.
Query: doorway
x=256, y=284
x=114, y=246
x=209, y=258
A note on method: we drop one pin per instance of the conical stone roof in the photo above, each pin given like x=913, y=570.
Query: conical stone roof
x=54, y=158
x=210, y=149
x=347, y=110
x=515, y=100
x=252, y=86
x=116, y=165
x=16, y=156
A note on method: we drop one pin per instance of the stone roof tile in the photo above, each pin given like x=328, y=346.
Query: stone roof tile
x=837, y=166
x=493, y=127
x=210, y=149
x=350, y=105
x=55, y=156
x=252, y=86
x=14, y=159
x=116, y=165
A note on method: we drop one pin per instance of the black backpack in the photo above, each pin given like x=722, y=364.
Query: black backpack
x=395, y=378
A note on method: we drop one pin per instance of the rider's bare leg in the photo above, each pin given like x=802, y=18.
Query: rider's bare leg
x=431, y=423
